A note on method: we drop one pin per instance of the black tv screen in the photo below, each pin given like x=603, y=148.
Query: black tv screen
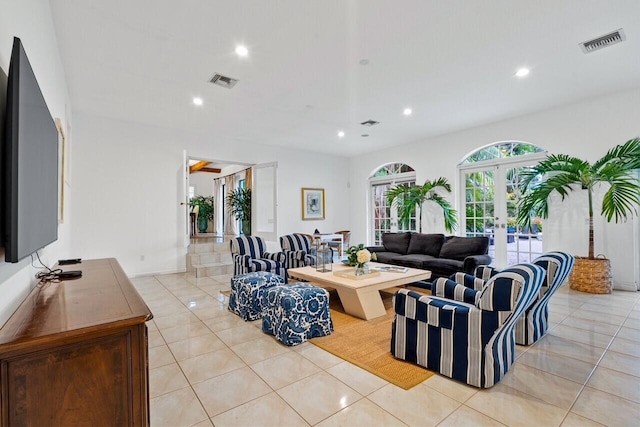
x=29, y=163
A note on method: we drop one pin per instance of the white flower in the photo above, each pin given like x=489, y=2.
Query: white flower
x=363, y=256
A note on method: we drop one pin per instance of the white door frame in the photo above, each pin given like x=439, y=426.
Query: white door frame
x=264, y=201
x=183, y=202
x=401, y=178
x=499, y=166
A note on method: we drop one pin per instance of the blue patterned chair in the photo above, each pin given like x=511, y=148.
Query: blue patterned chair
x=469, y=342
x=296, y=312
x=249, y=255
x=297, y=250
x=535, y=322
x=246, y=292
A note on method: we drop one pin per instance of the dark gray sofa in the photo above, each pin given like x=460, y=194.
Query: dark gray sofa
x=441, y=255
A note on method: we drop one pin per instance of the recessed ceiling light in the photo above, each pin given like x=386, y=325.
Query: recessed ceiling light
x=197, y=101
x=407, y=111
x=522, y=72
x=340, y=134
x=242, y=51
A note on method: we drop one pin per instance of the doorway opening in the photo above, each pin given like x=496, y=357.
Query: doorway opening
x=384, y=219
x=489, y=195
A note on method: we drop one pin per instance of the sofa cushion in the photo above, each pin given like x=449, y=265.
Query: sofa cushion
x=441, y=267
x=396, y=242
x=385, y=257
x=459, y=248
x=427, y=244
x=412, y=260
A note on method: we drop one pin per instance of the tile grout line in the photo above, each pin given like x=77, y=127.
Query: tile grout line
x=595, y=368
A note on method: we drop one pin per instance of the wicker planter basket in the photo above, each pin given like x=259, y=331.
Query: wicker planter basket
x=591, y=275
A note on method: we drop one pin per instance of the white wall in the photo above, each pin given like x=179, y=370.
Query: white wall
x=586, y=130
x=127, y=207
x=203, y=183
x=30, y=20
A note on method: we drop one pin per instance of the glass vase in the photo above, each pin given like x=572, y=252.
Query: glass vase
x=361, y=269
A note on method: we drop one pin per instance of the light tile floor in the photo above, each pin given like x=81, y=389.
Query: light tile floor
x=208, y=367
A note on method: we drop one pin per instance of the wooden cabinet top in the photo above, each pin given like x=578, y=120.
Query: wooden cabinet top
x=102, y=296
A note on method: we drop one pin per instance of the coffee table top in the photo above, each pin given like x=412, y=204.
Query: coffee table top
x=386, y=278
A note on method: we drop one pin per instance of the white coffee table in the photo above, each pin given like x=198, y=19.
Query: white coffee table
x=360, y=298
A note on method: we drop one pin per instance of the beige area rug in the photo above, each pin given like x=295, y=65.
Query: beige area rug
x=367, y=345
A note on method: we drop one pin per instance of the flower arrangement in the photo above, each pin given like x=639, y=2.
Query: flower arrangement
x=352, y=254
x=363, y=256
x=358, y=256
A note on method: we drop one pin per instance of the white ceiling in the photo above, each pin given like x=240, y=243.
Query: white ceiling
x=452, y=62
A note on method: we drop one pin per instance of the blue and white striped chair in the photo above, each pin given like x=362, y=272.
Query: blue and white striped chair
x=249, y=255
x=297, y=250
x=535, y=322
x=473, y=343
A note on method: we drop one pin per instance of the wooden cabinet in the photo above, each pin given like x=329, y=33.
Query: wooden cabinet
x=75, y=353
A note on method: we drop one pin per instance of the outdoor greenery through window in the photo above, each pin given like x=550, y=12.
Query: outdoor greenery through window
x=491, y=193
x=503, y=150
x=393, y=169
x=383, y=219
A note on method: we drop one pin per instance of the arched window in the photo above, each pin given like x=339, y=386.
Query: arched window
x=502, y=150
x=489, y=196
x=383, y=219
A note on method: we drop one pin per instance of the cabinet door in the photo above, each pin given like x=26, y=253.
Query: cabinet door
x=86, y=383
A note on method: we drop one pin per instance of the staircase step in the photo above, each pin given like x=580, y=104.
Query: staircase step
x=212, y=269
x=204, y=247
x=209, y=258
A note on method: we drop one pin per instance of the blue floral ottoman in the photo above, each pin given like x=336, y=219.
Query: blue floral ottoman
x=246, y=290
x=296, y=312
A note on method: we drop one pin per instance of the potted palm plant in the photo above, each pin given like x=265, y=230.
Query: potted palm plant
x=205, y=211
x=563, y=174
x=407, y=198
x=239, y=204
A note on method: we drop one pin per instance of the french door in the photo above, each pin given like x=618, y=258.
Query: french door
x=489, y=199
x=384, y=218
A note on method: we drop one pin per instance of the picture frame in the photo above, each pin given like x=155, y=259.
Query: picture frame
x=313, y=206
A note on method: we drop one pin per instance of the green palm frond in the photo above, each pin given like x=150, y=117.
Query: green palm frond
x=627, y=154
x=450, y=214
x=409, y=198
x=563, y=174
x=621, y=199
x=239, y=203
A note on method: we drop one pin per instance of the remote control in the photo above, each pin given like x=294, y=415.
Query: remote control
x=69, y=261
x=72, y=274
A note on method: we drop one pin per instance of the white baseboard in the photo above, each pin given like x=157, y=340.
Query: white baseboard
x=625, y=286
x=156, y=273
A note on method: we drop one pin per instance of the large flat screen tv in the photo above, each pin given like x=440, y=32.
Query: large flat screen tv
x=29, y=164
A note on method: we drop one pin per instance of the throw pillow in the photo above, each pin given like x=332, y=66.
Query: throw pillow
x=427, y=244
x=396, y=242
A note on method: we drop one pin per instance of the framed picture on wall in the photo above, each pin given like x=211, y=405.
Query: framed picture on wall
x=312, y=203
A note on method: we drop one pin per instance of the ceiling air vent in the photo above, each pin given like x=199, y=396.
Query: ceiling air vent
x=224, y=81
x=370, y=123
x=603, y=41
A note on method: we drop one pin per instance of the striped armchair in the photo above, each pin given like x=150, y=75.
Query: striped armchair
x=297, y=250
x=469, y=342
x=535, y=322
x=249, y=255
